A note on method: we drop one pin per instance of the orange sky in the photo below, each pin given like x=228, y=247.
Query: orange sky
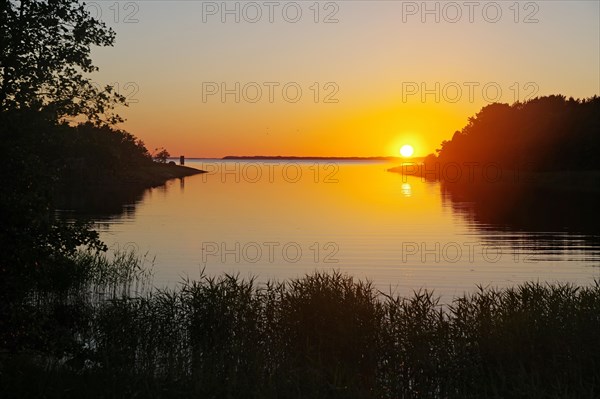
x=375, y=64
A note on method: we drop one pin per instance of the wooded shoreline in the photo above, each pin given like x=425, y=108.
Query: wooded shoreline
x=577, y=180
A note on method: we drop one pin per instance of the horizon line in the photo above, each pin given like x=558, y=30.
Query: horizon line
x=296, y=157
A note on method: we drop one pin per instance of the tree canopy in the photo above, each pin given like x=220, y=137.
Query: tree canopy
x=45, y=68
x=546, y=133
x=45, y=60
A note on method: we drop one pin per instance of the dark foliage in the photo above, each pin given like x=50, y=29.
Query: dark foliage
x=45, y=57
x=44, y=64
x=544, y=134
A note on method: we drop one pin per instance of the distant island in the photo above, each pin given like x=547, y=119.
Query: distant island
x=296, y=158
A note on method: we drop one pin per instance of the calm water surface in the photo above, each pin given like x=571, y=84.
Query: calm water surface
x=278, y=220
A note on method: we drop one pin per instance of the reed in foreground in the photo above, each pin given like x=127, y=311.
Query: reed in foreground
x=323, y=335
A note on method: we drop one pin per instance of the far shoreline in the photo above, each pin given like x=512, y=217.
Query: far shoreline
x=314, y=158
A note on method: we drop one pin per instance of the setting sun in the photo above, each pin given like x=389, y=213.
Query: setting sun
x=407, y=150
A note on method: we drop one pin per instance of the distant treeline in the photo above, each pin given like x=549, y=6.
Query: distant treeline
x=295, y=158
x=543, y=134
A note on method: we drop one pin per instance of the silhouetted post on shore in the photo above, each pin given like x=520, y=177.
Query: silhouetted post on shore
x=181, y=160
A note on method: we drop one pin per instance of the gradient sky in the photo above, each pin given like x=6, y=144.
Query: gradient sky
x=374, y=55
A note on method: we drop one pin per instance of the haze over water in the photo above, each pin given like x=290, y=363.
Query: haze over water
x=282, y=219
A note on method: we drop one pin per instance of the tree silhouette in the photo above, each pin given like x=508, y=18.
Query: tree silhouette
x=45, y=53
x=161, y=155
x=544, y=134
x=44, y=83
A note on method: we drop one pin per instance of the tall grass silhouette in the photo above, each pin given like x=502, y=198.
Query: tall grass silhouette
x=322, y=335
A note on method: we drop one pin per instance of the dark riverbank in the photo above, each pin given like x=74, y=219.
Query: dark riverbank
x=156, y=174
x=108, y=196
x=145, y=175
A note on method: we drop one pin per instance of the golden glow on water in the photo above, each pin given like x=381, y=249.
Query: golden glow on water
x=355, y=217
